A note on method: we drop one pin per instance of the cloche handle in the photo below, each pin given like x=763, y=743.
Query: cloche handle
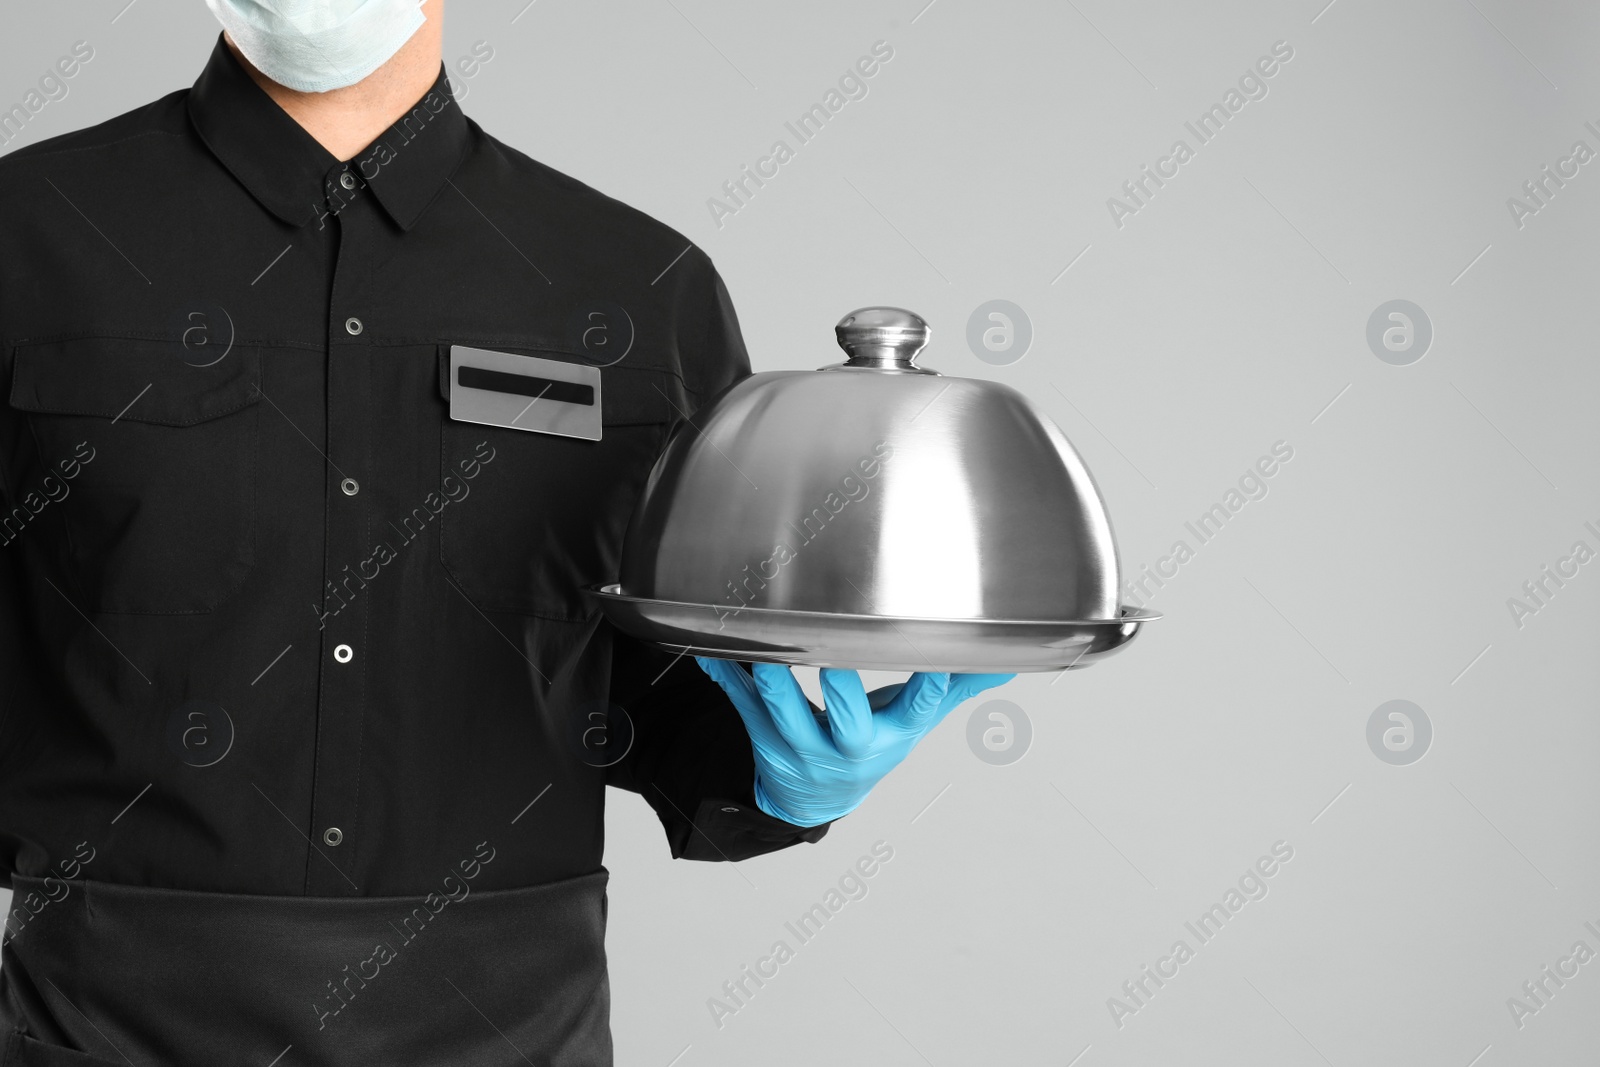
x=883, y=338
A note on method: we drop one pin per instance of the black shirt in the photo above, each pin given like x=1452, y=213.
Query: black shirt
x=272, y=622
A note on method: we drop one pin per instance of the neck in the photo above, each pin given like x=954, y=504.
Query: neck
x=344, y=121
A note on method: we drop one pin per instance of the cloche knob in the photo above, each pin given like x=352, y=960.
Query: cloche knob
x=883, y=338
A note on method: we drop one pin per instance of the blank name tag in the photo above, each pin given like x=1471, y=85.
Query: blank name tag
x=524, y=392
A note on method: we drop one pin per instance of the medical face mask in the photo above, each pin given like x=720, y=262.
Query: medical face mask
x=317, y=45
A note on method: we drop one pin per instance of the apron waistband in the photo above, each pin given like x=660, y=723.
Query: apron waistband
x=113, y=974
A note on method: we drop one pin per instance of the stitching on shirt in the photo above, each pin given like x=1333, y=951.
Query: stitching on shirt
x=366, y=633
x=251, y=383
x=71, y=574
x=46, y=153
x=253, y=468
x=318, y=746
x=139, y=335
x=711, y=309
x=467, y=145
x=40, y=410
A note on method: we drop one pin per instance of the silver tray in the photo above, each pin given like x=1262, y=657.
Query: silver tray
x=870, y=642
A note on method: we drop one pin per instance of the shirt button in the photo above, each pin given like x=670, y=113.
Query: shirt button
x=344, y=653
x=730, y=809
x=352, y=326
x=347, y=180
x=350, y=487
x=332, y=835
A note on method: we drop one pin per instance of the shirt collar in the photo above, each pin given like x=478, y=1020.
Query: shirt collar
x=294, y=177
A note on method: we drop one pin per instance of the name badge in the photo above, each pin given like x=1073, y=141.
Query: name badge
x=524, y=393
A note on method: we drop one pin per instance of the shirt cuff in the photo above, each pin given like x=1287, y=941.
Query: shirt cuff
x=735, y=829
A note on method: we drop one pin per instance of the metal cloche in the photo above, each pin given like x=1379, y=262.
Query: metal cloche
x=873, y=514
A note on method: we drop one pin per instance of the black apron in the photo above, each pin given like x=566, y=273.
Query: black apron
x=118, y=975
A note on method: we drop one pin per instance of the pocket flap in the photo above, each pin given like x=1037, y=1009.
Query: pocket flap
x=629, y=396
x=161, y=382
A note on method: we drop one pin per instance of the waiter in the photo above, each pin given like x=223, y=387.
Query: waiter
x=305, y=720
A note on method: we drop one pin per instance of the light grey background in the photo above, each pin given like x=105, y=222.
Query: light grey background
x=1228, y=314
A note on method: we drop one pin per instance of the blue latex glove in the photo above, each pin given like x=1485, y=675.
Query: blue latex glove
x=813, y=766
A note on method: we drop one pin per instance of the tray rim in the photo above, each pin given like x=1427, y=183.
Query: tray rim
x=612, y=591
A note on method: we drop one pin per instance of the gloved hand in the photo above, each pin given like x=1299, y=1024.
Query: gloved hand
x=813, y=766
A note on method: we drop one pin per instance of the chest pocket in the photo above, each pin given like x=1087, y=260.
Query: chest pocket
x=536, y=518
x=158, y=513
